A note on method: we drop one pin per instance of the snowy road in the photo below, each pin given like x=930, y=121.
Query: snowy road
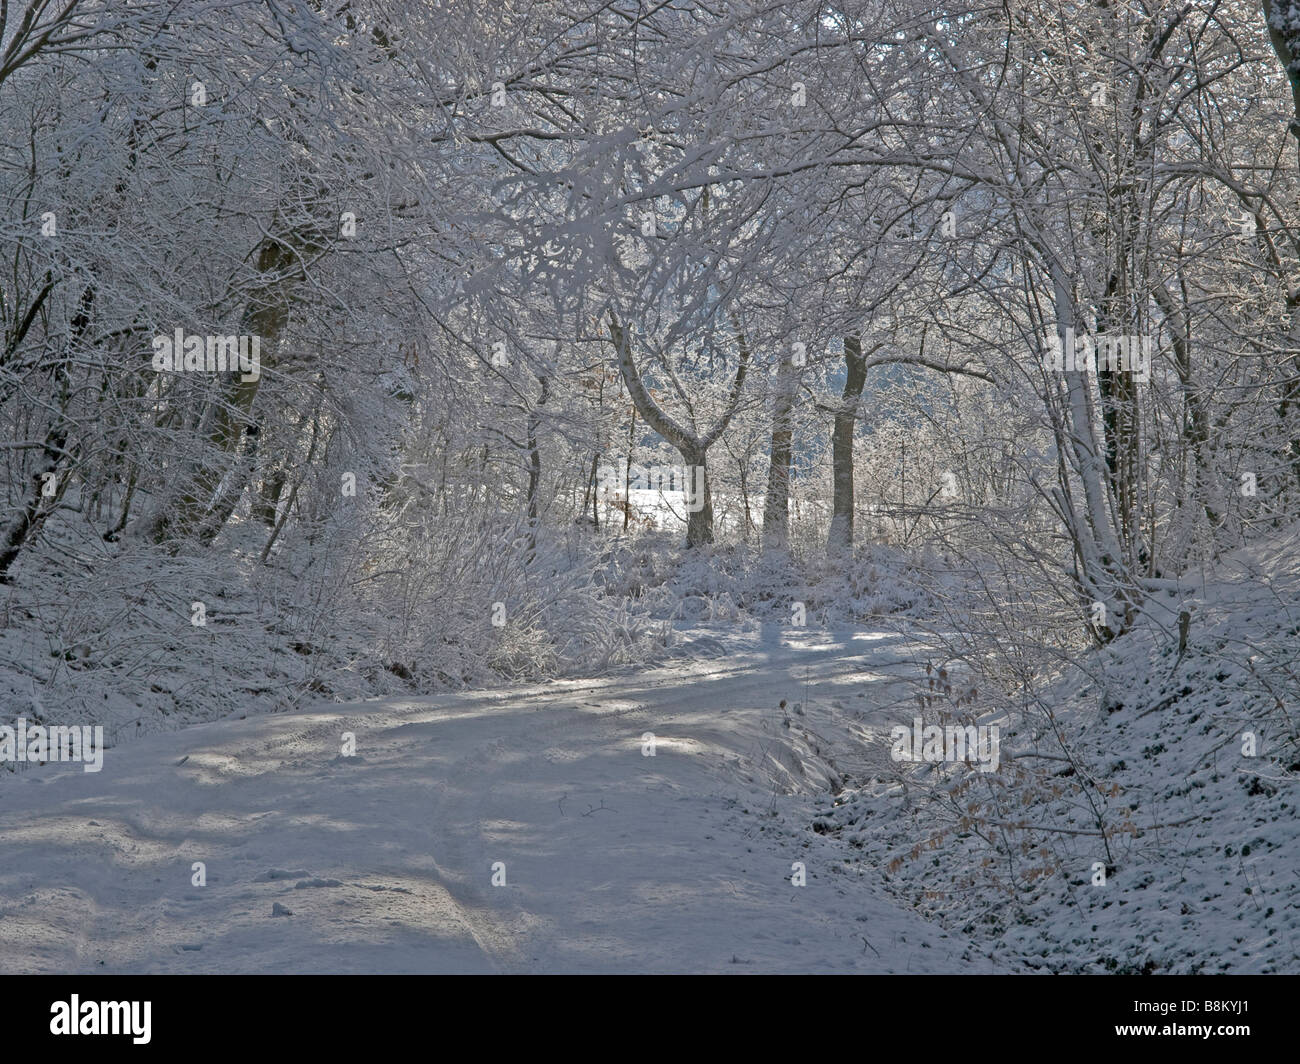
x=383, y=862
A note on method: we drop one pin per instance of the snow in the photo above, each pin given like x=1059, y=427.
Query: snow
x=511, y=300
x=1202, y=850
x=682, y=862
x=383, y=861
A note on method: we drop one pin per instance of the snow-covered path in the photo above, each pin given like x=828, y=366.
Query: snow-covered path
x=614, y=861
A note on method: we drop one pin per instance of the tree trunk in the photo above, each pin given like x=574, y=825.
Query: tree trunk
x=534, y=467
x=38, y=506
x=840, y=539
x=627, y=472
x=699, y=524
x=1103, y=573
x=214, y=489
x=776, y=507
x=1283, y=20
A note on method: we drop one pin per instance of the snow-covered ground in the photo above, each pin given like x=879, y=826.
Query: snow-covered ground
x=384, y=861
x=1131, y=759
x=1179, y=773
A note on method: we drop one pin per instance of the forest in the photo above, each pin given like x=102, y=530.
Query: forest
x=355, y=353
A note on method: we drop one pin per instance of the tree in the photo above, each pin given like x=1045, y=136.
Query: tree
x=692, y=444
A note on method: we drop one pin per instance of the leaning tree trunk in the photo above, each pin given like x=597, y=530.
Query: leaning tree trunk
x=267, y=319
x=15, y=535
x=840, y=539
x=201, y=509
x=1103, y=573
